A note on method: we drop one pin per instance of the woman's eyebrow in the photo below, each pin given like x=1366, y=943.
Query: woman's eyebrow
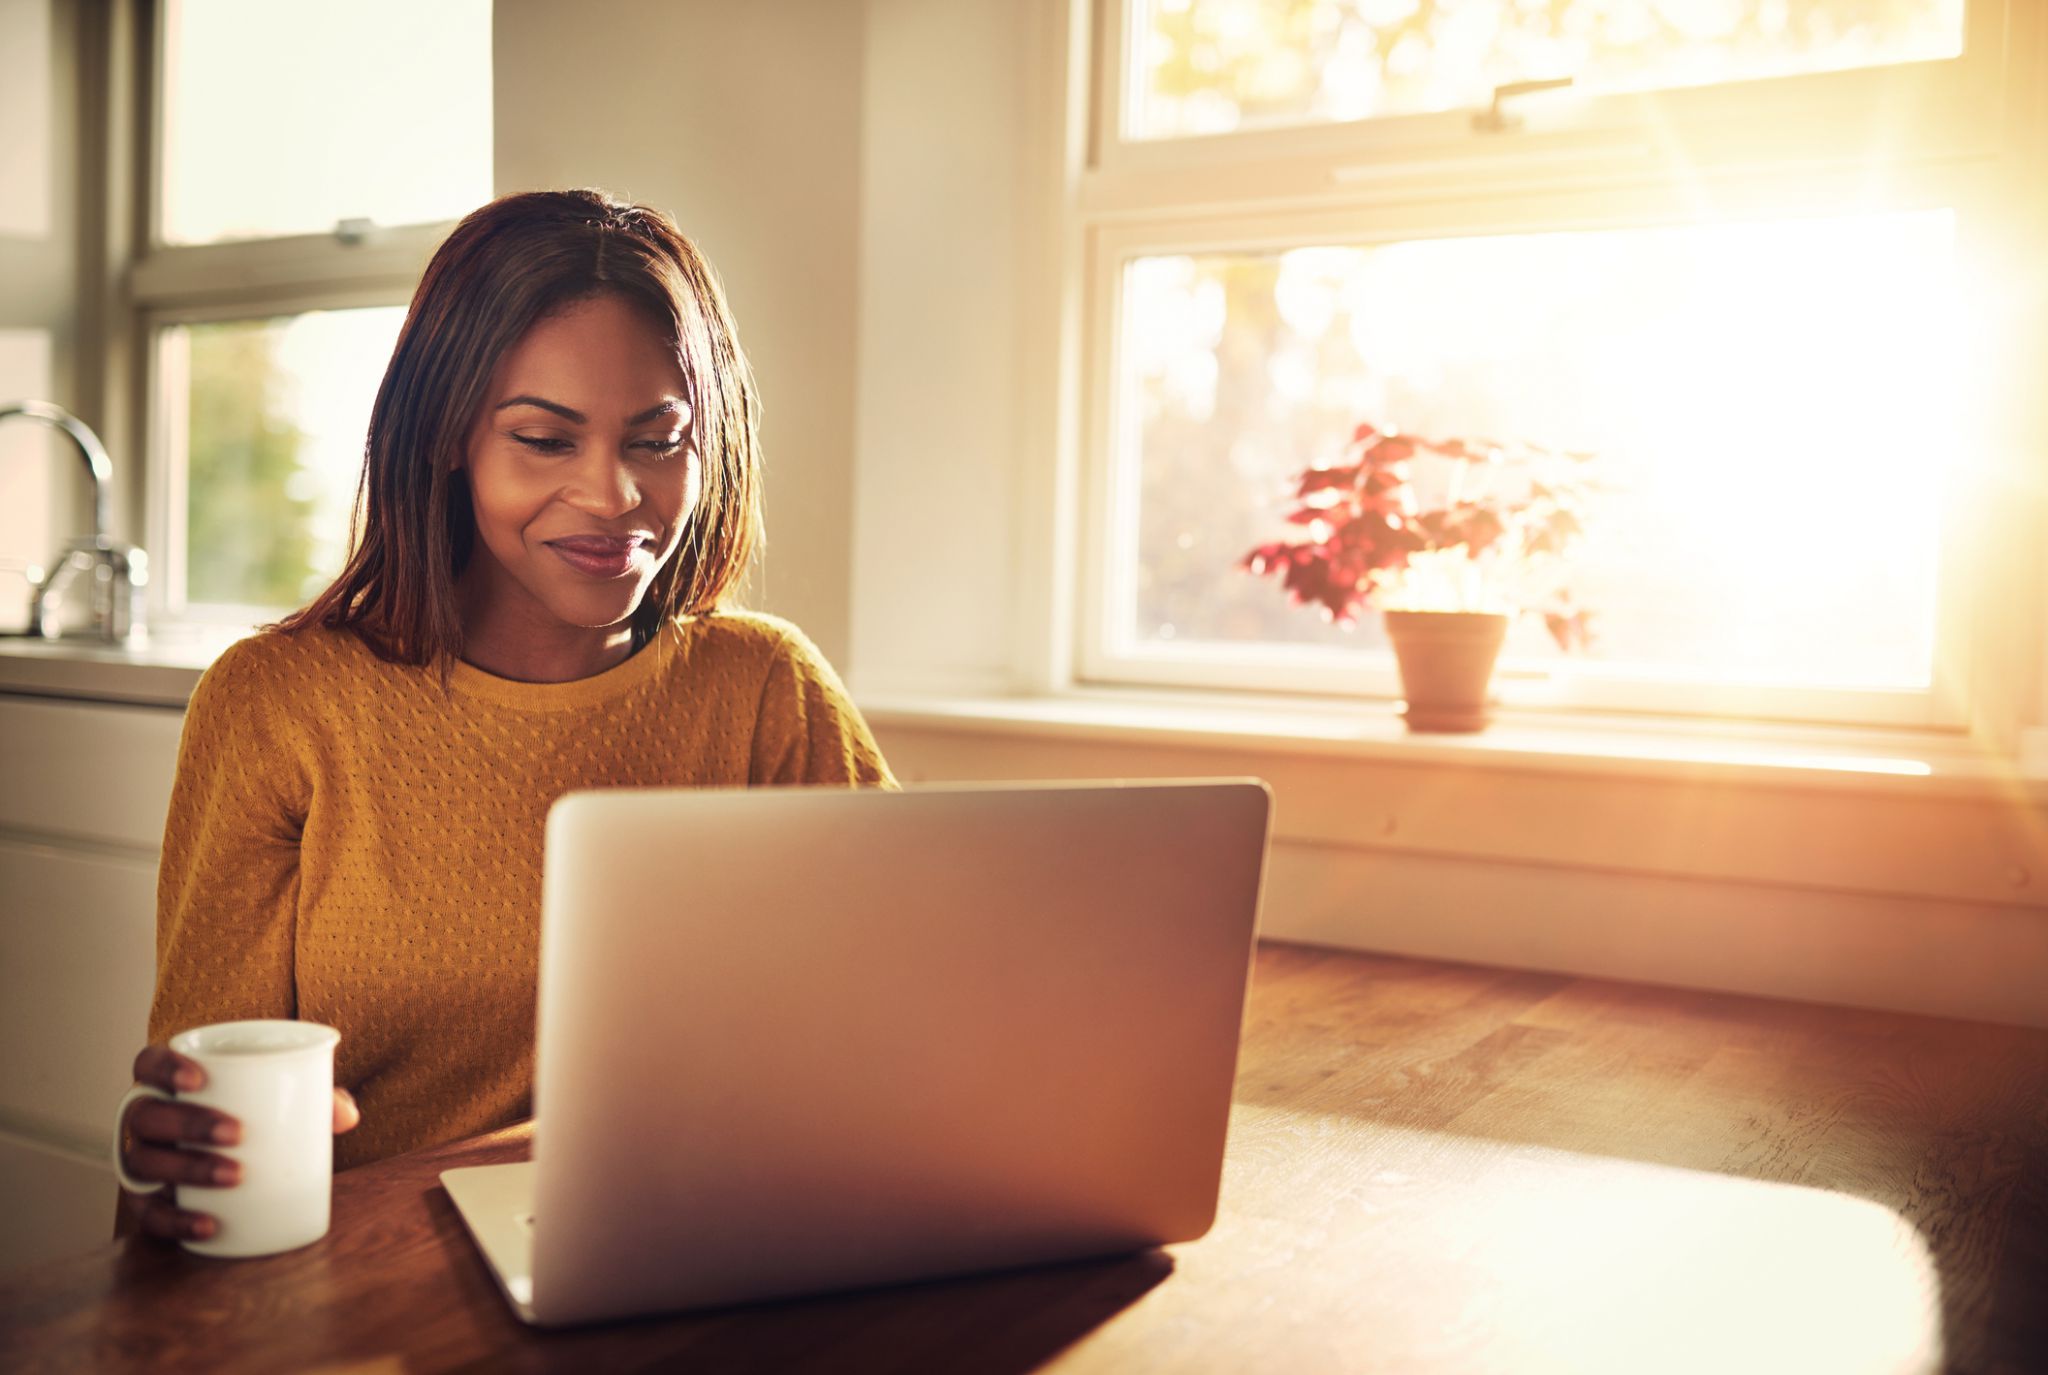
x=654, y=412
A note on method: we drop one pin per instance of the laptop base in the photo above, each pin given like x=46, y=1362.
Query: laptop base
x=497, y=1203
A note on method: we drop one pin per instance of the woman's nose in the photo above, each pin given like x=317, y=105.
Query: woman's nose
x=602, y=485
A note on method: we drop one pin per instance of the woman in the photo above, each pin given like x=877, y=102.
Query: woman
x=560, y=487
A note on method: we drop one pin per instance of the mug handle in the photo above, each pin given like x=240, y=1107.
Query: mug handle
x=128, y=1181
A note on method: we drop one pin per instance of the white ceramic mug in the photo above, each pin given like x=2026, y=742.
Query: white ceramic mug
x=277, y=1078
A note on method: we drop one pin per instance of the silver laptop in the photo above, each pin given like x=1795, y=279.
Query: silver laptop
x=801, y=1040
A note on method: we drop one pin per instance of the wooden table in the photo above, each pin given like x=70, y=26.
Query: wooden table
x=1431, y=1167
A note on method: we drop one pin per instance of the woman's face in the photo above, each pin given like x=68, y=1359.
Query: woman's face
x=582, y=470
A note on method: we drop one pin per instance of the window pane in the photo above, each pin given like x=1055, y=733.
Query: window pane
x=1763, y=520
x=288, y=118
x=275, y=413
x=1210, y=66
x=27, y=62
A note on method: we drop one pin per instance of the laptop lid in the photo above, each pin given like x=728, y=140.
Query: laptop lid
x=797, y=1040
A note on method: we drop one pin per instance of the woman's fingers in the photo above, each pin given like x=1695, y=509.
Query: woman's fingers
x=166, y=1221
x=172, y=1166
x=155, y=1120
x=153, y=1144
x=164, y=1068
x=346, y=1113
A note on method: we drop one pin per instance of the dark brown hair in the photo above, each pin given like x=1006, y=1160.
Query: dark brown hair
x=506, y=267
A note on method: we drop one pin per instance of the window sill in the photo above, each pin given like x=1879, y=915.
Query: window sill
x=1542, y=804
x=1731, y=752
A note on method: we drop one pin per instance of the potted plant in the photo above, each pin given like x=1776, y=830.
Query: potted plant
x=1448, y=538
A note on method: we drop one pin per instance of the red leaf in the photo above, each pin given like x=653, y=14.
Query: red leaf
x=1573, y=630
x=1555, y=534
x=1479, y=528
x=1262, y=559
x=1325, y=479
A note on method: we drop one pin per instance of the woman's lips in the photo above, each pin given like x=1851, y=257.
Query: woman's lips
x=596, y=557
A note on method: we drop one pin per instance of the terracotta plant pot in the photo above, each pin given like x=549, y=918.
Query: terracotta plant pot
x=1446, y=660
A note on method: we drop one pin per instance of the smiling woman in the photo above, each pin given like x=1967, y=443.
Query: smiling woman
x=559, y=492
x=577, y=502
x=558, y=345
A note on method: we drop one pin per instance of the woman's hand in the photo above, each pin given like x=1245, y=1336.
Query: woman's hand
x=155, y=1140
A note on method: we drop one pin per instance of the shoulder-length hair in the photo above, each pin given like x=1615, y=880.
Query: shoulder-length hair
x=506, y=267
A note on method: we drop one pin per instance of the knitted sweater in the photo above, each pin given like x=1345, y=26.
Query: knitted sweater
x=350, y=842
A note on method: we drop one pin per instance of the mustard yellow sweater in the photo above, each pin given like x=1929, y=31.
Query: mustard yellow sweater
x=351, y=843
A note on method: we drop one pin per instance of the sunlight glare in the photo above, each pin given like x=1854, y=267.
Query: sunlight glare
x=1552, y=1260
x=1778, y=411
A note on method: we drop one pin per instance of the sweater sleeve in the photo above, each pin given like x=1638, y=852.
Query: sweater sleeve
x=227, y=887
x=807, y=730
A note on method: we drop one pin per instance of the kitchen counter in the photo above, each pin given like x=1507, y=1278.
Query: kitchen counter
x=156, y=668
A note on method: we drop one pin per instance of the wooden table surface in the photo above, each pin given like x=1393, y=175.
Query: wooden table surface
x=1431, y=1167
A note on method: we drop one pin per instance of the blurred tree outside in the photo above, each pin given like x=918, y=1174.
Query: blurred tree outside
x=250, y=512
x=1214, y=473
x=1208, y=66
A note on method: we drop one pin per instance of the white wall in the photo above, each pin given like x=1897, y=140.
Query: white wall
x=856, y=173
x=943, y=241
x=743, y=121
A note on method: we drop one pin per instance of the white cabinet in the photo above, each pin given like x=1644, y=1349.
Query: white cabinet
x=87, y=771
x=78, y=944
x=83, y=791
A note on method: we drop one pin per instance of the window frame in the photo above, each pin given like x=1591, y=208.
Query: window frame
x=1765, y=120
x=244, y=279
x=1583, y=165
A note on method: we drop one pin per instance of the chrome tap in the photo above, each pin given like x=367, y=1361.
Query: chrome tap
x=118, y=571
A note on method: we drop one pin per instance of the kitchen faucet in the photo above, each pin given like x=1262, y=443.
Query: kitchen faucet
x=118, y=571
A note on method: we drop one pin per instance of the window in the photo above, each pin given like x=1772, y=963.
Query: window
x=1210, y=66
x=1741, y=257
x=266, y=418
x=305, y=161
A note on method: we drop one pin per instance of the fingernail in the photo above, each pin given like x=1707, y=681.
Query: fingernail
x=201, y=1228
x=225, y=1134
x=187, y=1079
x=225, y=1174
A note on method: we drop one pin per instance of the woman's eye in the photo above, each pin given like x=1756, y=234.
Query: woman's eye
x=661, y=447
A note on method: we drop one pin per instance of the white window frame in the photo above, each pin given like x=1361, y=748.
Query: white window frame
x=1756, y=148
x=248, y=279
